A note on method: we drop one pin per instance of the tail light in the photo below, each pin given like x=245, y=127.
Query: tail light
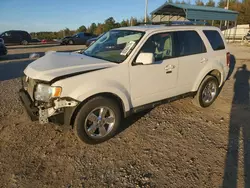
x=228, y=58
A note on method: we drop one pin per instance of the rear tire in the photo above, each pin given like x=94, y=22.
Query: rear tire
x=207, y=92
x=24, y=42
x=98, y=120
x=71, y=42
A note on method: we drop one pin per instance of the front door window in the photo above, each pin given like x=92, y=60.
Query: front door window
x=161, y=45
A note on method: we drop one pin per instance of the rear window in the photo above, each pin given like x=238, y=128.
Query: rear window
x=215, y=39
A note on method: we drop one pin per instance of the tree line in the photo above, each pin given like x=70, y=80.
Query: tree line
x=94, y=28
x=243, y=7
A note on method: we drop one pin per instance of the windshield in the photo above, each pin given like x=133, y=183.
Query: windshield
x=115, y=45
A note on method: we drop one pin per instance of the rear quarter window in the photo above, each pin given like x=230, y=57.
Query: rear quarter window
x=214, y=39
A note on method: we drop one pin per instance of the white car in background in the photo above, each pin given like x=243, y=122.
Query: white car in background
x=125, y=71
x=247, y=36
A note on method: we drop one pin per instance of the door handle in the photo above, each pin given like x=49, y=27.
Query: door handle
x=169, y=71
x=203, y=60
x=169, y=67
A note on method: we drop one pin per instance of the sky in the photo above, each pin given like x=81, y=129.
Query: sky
x=54, y=15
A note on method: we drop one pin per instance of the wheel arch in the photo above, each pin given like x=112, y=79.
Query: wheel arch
x=217, y=74
x=214, y=72
x=103, y=94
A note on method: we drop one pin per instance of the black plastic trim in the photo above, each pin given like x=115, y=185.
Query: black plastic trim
x=29, y=105
x=157, y=103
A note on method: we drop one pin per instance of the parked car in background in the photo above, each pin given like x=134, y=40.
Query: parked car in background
x=247, y=36
x=3, y=49
x=16, y=37
x=35, y=40
x=79, y=38
x=44, y=41
x=92, y=40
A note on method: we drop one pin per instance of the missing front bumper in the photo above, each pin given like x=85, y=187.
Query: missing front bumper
x=56, y=114
x=58, y=108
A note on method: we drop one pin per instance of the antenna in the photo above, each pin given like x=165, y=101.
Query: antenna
x=146, y=10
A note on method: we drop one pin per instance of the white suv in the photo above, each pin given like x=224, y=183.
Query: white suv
x=125, y=71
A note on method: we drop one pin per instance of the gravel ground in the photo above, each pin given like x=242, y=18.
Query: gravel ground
x=173, y=145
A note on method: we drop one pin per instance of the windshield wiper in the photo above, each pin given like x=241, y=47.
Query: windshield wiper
x=98, y=57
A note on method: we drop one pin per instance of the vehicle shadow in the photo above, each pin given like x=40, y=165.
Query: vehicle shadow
x=239, y=123
x=13, y=70
x=129, y=121
x=32, y=46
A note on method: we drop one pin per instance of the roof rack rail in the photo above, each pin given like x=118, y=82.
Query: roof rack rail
x=175, y=23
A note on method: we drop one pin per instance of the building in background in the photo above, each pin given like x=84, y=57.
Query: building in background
x=222, y=18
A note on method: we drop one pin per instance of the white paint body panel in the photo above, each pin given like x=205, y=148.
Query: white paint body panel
x=149, y=83
x=57, y=64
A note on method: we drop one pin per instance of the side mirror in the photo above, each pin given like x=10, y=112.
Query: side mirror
x=145, y=58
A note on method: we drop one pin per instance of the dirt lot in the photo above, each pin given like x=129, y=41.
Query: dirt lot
x=173, y=145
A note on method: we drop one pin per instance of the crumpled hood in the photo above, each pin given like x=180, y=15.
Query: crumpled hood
x=56, y=64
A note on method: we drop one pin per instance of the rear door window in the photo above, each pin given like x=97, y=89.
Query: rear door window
x=16, y=34
x=189, y=43
x=215, y=39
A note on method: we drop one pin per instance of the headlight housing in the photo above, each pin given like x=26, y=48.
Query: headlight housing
x=45, y=92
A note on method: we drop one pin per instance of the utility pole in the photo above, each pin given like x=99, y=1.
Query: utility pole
x=227, y=7
x=146, y=10
x=227, y=4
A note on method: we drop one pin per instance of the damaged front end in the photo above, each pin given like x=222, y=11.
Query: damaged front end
x=43, y=102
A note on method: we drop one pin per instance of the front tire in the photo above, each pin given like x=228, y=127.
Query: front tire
x=207, y=92
x=98, y=120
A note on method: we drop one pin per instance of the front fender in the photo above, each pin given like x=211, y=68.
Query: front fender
x=205, y=71
x=110, y=87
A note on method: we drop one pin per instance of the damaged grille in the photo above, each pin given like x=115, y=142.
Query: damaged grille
x=29, y=85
